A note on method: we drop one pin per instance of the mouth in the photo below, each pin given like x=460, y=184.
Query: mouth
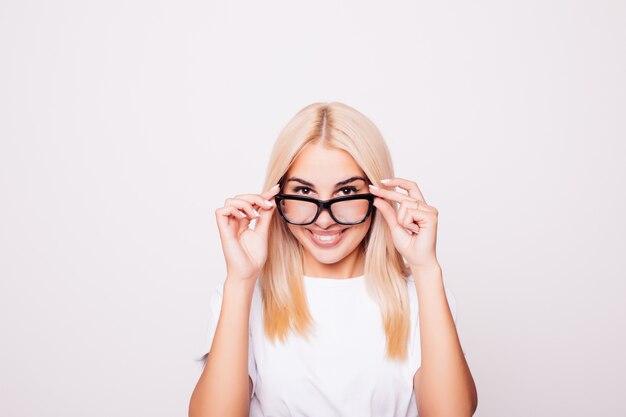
x=326, y=241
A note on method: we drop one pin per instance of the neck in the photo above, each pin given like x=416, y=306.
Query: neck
x=351, y=266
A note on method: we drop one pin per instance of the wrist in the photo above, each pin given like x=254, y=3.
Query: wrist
x=239, y=284
x=426, y=272
x=426, y=267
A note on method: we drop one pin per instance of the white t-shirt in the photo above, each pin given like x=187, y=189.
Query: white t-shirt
x=343, y=370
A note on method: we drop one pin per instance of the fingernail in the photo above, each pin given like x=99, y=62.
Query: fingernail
x=385, y=181
x=256, y=213
x=242, y=214
x=373, y=186
x=269, y=203
x=275, y=187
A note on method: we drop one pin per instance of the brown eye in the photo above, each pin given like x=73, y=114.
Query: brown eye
x=296, y=189
x=353, y=189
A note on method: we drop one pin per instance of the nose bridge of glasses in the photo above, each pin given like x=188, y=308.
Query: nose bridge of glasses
x=327, y=206
x=324, y=208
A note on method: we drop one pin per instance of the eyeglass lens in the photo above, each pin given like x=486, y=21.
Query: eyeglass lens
x=349, y=211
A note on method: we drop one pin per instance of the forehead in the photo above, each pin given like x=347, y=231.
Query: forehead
x=324, y=166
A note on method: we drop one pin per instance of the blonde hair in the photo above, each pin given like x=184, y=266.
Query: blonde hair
x=281, y=280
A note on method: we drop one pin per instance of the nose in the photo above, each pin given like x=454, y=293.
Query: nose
x=324, y=220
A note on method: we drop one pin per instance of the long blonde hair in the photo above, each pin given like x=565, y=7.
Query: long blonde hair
x=282, y=287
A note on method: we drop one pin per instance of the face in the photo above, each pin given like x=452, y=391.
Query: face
x=320, y=172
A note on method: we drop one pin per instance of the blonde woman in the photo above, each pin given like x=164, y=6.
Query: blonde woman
x=334, y=302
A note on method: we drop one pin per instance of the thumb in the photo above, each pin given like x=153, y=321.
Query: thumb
x=263, y=221
x=388, y=212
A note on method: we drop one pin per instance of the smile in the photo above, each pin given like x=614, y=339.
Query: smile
x=326, y=241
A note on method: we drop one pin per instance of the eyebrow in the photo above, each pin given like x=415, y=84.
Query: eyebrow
x=340, y=183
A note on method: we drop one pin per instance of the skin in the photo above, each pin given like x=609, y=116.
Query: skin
x=224, y=388
x=443, y=384
x=324, y=167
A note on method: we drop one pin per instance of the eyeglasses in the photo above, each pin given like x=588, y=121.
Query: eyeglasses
x=347, y=210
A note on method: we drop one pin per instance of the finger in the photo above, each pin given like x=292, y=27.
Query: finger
x=410, y=204
x=407, y=220
x=388, y=212
x=227, y=214
x=243, y=205
x=390, y=194
x=410, y=186
x=405, y=207
x=230, y=211
x=264, y=202
x=269, y=194
x=405, y=215
x=263, y=222
x=257, y=199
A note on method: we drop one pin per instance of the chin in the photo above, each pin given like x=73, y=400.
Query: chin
x=328, y=258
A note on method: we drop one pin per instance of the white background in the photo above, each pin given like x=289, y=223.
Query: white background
x=125, y=124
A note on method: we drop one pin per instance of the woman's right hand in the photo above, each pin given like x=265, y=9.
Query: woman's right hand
x=245, y=249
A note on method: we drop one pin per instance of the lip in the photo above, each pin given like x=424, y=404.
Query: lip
x=326, y=233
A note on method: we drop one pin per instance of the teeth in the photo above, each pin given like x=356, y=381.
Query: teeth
x=326, y=238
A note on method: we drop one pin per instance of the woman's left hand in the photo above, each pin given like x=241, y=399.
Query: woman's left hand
x=414, y=226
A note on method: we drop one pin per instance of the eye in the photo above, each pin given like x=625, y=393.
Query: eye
x=353, y=189
x=299, y=188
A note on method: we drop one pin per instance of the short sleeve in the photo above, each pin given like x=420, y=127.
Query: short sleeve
x=215, y=306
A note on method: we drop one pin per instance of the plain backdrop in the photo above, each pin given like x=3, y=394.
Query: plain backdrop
x=125, y=124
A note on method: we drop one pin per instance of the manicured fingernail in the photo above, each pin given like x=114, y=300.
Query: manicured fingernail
x=256, y=213
x=242, y=214
x=277, y=186
x=373, y=186
x=385, y=181
x=269, y=203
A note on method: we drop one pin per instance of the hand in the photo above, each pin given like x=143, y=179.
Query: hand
x=245, y=249
x=414, y=226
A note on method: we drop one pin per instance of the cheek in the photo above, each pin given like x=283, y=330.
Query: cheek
x=298, y=232
x=359, y=232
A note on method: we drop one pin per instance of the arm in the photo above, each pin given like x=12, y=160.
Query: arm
x=443, y=384
x=224, y=386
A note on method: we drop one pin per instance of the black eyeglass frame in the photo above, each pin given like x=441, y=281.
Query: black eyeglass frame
x=325, y=204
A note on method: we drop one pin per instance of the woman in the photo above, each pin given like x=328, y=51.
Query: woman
x=319, y=312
